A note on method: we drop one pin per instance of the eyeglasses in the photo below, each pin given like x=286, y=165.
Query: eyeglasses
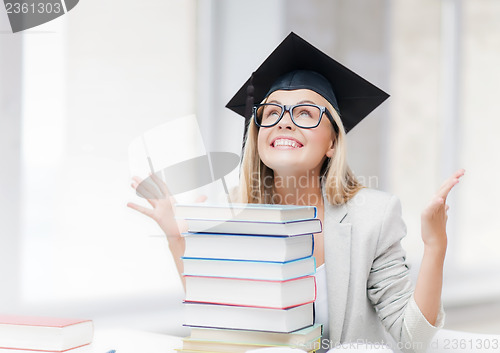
x=305, y=116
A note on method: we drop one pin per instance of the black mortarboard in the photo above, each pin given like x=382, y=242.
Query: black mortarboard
x=295, y=64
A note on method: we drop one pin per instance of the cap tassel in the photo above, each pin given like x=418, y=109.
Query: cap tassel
x=248, y=111
x=250, y=98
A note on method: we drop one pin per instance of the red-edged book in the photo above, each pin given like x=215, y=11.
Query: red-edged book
x=250, y=292
x=44, y=334
x=248, y=318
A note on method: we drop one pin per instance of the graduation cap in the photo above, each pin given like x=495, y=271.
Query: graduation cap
x=296, y=64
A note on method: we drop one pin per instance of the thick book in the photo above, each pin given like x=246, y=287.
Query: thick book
x=194, y=345
x=277, y=349
x=289, y=228
x=44, y=334
x=245, y=212
x=275, y=271
x=280, y=350
x=245, y=247
x=248, y=318
x=300, y=338
x=246, y=292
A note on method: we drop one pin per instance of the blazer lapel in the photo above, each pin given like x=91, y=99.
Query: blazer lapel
x=337, y=261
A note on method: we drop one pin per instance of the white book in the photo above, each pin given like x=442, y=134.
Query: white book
x=203, y=346
x=266, y=270
x=245, y=212
x=44, y=333
x=290, y=228
x=246, y=247
x=248, y=318
x=243, y=292
x=297, y=338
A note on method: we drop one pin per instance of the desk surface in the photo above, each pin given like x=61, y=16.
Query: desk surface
x=132, y=341
x=124, y=341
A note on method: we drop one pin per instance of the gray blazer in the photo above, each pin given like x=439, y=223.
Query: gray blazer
x=369, y=289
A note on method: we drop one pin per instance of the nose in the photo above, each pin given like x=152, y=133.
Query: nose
x=286, y=121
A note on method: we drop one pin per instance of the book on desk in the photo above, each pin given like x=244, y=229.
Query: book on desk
x=45, y=334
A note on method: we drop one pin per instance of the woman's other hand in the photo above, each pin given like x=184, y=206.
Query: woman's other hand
x=430, y=277
x=434, y=216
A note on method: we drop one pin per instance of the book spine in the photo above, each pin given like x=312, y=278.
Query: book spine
x=251, y=306
x=256, y=280
x=249, y=261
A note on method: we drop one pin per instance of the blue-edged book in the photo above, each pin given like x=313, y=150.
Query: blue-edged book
x=244, y=269
x=248, y=247
x=288, y=228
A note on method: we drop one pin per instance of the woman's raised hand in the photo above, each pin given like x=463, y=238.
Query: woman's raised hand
x=156, y=192
x=434, y=216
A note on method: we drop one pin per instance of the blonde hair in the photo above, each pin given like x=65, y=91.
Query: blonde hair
x=338, y=181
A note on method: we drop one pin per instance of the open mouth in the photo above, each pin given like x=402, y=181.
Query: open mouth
x=286, y=143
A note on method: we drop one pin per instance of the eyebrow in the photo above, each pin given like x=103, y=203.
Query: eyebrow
x=301, y=102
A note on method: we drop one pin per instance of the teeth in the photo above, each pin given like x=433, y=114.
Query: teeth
x=283, y=142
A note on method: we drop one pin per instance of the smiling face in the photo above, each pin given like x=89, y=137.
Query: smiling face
x=290, y=150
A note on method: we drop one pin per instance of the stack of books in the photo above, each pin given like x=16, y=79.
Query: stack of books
x=249, y=274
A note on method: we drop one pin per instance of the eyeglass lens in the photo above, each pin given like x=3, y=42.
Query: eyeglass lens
x=302, y=115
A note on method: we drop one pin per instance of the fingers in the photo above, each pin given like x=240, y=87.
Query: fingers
x=136, y=180
x=446, y=188
x=449, y=184
x=146, y=211
x=153, y=188
x=161, y=185
x=138, y=192
x=436, y=204
x=149, y=190
x=459, y=173
x=436, y=208
x=141, y=189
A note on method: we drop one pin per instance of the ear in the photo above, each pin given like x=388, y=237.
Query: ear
x=331, y=150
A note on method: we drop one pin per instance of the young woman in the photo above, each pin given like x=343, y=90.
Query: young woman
x=294, y=153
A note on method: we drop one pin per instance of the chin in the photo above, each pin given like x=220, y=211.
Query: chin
x=286, y=166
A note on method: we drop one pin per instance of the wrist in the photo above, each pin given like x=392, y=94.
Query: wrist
x=176, y=243
x=173, y=237
x=433, y=240
x=436, y=250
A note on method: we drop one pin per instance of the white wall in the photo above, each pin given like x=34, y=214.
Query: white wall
x=10, y=172
x=96, y=79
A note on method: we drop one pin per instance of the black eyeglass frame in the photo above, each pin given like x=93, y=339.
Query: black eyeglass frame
x=289, y=109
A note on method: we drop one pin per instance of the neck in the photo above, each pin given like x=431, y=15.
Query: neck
x=302, y=189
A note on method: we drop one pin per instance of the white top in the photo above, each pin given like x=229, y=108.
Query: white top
x=321, y=306
x=321, y=303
